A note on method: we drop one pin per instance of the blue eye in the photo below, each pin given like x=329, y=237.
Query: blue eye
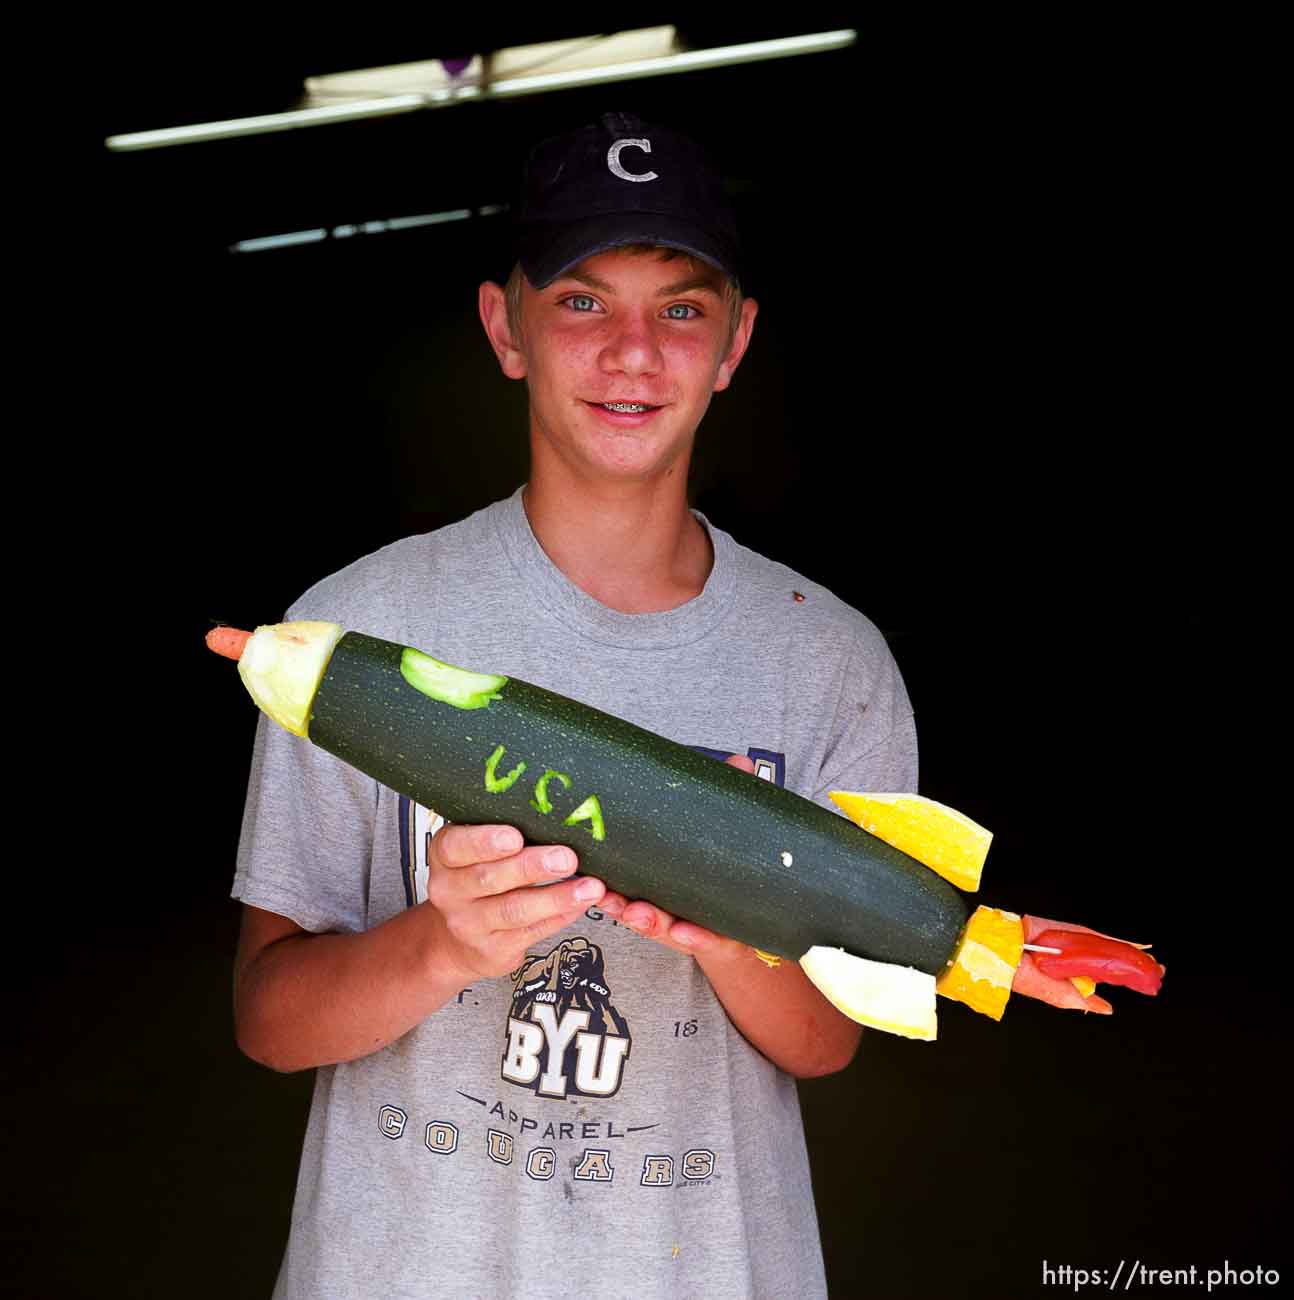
x=681, y=311
x=580, y=302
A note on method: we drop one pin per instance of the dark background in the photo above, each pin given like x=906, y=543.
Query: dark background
x=968, y=409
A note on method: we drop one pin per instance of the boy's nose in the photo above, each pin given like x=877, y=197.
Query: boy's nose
x=633, y=349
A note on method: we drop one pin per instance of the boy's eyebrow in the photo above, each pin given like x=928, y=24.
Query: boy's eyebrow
x=701, y=280
x=698, y=281
x=587, y=277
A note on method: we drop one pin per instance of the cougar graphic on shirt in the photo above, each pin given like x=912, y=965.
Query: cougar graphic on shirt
x=564, y=1033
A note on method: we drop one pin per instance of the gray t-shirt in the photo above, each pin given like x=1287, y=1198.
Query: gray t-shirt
x=596, y=1125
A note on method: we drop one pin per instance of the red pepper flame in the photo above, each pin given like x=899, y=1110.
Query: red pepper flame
x=1109, y=961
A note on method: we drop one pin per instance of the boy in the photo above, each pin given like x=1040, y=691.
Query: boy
x=517, y=1094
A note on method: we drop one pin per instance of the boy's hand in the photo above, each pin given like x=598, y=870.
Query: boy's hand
x=480, y=884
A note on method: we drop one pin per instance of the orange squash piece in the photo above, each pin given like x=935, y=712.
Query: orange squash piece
x=983, y=966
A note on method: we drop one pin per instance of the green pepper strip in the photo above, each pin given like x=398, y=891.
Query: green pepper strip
x=497, y=785
x=589, y=811
x=541, y=802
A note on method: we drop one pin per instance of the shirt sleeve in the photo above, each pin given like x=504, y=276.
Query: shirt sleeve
x=307, y=839
x=874, y=737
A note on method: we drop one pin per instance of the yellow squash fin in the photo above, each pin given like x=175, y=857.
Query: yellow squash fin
x=946, y=841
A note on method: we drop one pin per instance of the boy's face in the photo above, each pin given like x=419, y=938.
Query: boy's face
x=621, y=355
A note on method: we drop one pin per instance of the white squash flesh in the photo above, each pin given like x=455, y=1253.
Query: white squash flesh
x=282, y=666
x=897, y=999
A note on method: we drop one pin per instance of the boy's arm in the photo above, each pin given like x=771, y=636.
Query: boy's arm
x=303, y=999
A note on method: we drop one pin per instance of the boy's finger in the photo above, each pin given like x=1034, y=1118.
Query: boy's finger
x=523, y=909
x=457, y=846
x=538, y=865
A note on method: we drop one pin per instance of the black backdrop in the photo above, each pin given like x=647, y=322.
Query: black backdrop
x=964, y=410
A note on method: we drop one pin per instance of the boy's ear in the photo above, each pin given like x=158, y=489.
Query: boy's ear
x=493, y=306
x=737, y=348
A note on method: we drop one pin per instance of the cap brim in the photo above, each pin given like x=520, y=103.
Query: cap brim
x=548, y=251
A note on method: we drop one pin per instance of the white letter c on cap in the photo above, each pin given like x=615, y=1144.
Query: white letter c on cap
x=617, y=168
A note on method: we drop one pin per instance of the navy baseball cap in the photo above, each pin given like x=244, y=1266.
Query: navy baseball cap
x=621, y=181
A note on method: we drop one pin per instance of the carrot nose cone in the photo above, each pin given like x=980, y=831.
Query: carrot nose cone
x=282, y=666
x=228, y=641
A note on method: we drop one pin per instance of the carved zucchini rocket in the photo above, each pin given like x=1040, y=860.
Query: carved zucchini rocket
x=872, y=926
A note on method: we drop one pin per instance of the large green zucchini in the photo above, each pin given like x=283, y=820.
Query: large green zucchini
x=651, y=818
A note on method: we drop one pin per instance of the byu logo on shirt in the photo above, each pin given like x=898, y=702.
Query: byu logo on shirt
x=618, y=168
x=559, y=1040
